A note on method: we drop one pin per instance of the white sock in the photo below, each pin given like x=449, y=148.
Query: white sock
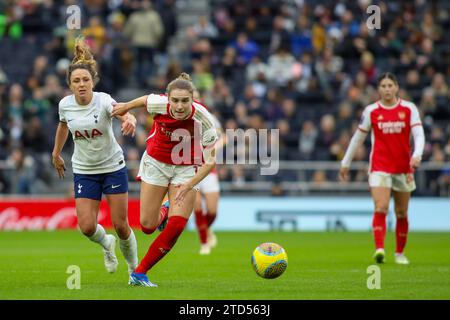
x=99, y=236
x=129, y=250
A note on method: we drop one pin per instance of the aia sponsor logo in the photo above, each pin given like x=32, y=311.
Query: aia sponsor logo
x=85, y=134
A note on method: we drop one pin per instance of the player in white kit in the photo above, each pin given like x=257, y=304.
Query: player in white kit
x=98, y=161
x=391, y=121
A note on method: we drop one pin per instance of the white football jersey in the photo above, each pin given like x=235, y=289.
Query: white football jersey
x=96, y=149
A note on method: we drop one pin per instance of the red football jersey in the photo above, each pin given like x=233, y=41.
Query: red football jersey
x=391, y=130
x=179, y=142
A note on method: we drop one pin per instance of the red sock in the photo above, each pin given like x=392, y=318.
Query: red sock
x=163, y=243
x=379, y=229
x=210, y=218
x=162, y=215
x=401, y=234
x=202, y=226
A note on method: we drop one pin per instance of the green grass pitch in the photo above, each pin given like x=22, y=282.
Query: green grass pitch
x=33, y=265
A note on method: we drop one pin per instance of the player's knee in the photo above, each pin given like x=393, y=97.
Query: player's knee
x=401, y=213
x=382, y=207
x=148, y=227
x=122, y=230
x=87, y=229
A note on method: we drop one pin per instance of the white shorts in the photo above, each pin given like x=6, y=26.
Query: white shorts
x=210, y=183
x=158, y=173
x=397, y=182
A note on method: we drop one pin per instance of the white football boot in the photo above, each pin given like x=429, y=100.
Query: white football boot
x=212, y=239
x=400, y=258
x=205, y=249
x=379, y=255
x=111, y=262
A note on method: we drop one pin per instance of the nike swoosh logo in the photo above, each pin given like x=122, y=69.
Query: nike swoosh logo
x=70, y=120
x=113, y=186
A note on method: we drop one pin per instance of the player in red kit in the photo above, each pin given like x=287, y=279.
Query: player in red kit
x=180, y=153
x=391, y=122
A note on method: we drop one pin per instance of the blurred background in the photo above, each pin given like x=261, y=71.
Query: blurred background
x=306, y=68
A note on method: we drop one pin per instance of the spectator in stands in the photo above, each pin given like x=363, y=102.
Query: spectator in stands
x=245, y=48
x=301, y=39
x=95, y=35
x=280, y=37
x=327, y=67
x=307, y=140
x=304, y=74
x=167, y=11
x=368, y=67
x=23, y=173
x=255, y=69
x=34, y=139
x=228, y=66
x=280, y=67
x=326, y=137
x=38, y=106
x=4, y=134
x=40, y=70
x=202, y=76
x=288, y=140
x=144, y=28
x=204, y=28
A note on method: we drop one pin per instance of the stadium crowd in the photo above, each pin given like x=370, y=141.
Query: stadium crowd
x=303, y=67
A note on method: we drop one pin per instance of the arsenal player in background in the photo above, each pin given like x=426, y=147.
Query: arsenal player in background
x=97, y=161
x=180, y=153
x=391, y=121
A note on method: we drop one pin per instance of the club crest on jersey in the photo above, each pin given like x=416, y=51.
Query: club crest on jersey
x=401, y=115
x=84, y=134
x=380, y=117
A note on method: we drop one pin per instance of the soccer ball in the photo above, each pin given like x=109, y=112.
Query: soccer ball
x=269, y=260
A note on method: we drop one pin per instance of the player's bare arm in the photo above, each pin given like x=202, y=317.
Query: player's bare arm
x=120, y=109
x=62, y=132
x=356, y=141
x=343, y=174
x=128, y=124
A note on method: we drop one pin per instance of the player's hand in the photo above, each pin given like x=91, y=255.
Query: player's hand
x=129, y=126
x=343, y=174
x=183, y=190
x=58, y=163
x=414, y=163
x=119, y=109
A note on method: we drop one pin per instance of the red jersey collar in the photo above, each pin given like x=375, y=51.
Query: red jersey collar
x=389, y=108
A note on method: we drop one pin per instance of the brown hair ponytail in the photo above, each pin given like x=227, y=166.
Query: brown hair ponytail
x=183, y=82
x=83, y=59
